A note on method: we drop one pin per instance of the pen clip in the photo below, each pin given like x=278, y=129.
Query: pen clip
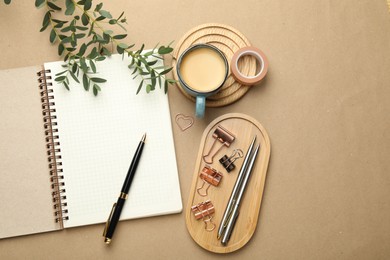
x=109, y=220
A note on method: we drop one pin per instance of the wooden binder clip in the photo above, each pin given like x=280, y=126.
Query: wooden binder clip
x=203, y=211
x=224, y=137
x=228, y=162
x=211, y=176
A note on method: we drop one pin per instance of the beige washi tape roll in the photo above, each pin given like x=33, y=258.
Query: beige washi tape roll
x=261, y=60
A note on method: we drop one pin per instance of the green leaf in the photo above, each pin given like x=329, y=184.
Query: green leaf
x=61, y=49
x=120, y=50
x=151, y=63
x=91, y=30
x=39, y=3
x=106, y=38
x=93, y=67
x=59, y=21
x=69, y=7
x=148, y=88
x=164, y=50
x=85, y=19
x=79, y=35
x=171, y=81
x=74, y=67
x=7, y=2
x=74, y=77
x=101, y=58
x=98, y=7
x=105, y=14
x=113, y=21
x=123, y=45
x=166, y=71
x=82, y=28
x=66, y=29
x=148, y=53
x=109, y=32
x=119, y=36
x=44, y=27
x=153, y=78
x=96, y=89
x=59, y=79
x=62, y=72
x=106, y=51
x=82, y=50
x=87, y=5
x=66, y=40
x=98, y=80
x=53, y=36
x=58, y=25
x=85, y=82
x=66, y=85
x=53, y=6
x=140, y=86
x=93, y=53
x=46, y=19
x=141, y=49
x=100, y=18
x=165, y=87
x=83, y=65
x=121, y=15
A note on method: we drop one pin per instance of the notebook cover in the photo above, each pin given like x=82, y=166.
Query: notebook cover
x=26, y=204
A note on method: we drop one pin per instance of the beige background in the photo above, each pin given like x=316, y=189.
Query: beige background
x=325, y=105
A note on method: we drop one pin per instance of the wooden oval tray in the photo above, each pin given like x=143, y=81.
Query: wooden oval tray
x=228, y=40
x=244, y=128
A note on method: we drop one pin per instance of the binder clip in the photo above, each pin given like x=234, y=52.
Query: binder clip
x=224, y=137
x=228, y=162
x=203, y=211
x=211, y=176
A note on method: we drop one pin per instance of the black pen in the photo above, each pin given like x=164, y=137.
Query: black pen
x=117, y=207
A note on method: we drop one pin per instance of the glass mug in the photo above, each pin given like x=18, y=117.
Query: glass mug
x=202, y=69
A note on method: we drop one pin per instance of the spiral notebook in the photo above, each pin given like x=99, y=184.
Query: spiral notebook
x=65, y=154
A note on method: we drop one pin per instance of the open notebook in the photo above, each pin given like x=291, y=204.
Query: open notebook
x=71, y=177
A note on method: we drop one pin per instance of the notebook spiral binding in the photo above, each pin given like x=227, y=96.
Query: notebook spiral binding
x=52, y=145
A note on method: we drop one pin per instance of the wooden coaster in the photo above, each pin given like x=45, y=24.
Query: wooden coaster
x=228, y=40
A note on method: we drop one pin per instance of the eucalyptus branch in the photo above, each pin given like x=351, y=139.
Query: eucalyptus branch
x=97, y=43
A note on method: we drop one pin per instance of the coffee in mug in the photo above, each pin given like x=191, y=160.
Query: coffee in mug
x=202, y=69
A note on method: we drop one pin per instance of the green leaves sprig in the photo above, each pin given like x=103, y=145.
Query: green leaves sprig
x=83, y=41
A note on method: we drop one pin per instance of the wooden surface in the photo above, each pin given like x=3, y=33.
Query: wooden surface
x=244, y=128
x=228, y=40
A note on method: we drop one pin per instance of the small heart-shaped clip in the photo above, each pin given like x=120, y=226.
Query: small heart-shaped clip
x=183, y=121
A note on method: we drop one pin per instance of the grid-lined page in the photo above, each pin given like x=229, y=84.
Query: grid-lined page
x=98, y=138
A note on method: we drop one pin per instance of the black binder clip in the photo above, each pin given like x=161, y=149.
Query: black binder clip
x=203, y=211
x=228, y=162
x=211, y=176
x=224, y=137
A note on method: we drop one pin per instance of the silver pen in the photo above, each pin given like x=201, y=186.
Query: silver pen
x=235, y=211
x=228, y=210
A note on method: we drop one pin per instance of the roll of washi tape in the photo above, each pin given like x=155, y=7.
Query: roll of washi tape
x=261, y=60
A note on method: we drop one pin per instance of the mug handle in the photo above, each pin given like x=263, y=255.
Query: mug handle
x=200, y=106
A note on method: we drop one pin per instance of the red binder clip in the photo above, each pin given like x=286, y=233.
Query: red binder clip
x=211, y=176
x=203, y=211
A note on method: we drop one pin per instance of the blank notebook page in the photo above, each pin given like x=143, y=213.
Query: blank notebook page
x=98, y=138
